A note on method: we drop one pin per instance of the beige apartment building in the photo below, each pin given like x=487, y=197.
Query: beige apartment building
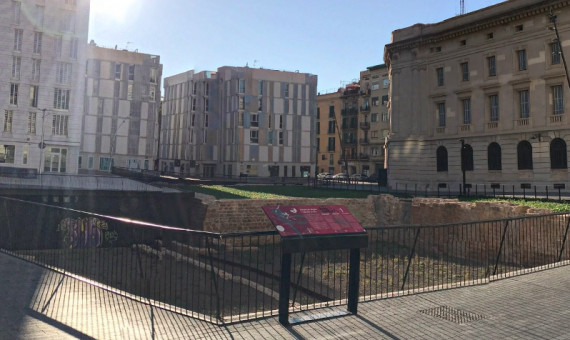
x=329, y=148
x=482, y=95
x=122, y=99
x=239, y=121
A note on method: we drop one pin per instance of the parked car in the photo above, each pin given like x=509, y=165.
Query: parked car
x=341, y=176
x=358, y=177
x=324, y=175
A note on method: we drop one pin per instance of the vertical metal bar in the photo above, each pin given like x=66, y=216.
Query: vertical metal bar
x=501, y=247
x=410, y=258
x=353, y=283
x=214, y=279
x=564, y=240
x=297, y=285
x=284, y=287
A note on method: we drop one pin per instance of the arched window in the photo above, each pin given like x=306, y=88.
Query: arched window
x=441, y=158
x=494, y=156
x=558, y=158
x=467, y=158
x=524, y=155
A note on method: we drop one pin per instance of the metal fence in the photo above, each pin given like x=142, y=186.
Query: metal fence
x=232, y=277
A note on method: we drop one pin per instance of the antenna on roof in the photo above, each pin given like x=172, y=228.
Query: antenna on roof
x=461, y=7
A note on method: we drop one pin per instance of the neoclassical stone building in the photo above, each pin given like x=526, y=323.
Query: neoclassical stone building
x=482, y=95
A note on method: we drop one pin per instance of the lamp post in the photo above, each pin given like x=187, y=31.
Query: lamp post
x=42, y=145
x=463, y=162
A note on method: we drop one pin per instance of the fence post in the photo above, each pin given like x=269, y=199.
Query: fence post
x=410, y=258
x=501, y=247
x=564, y=240
x=214, y=281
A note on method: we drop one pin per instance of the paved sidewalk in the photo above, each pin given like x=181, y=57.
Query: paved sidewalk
x=39, y=304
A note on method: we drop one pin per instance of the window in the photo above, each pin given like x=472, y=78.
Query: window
x=18, y=34
x=118, y=68
x=37, y=42
x=494, y=156
x=280, y=121
x=193, y=104
x=7, y=153
x=555, y=53
x=14, y=94
x=56, y=160
x=206, y=104
x=17, y=8
x=130, y=91
x=466, y=110
x=463, y=42
x=39, y=16
x=332, y=125
x=375, y=86
x=441, y=114
x=34, y=89
x=63, y=73
x=241, y=103
x=524, y=106
x=241, y=86
x=16, y=67
x=131, y=72
x=193, y=121
x=558, y=99
x=58, y=45
x=492, y=66
x=490, y=35
x=522, y=59
x=373, y=117
x=260, y=87
x=519, y=28
x=280, y=137
x=61, y=99
x=439, y=74
x=524, y=155
x=73, y=47
x=385, y=83
x=254, y=119
x=467, y=158
x=194, y=88
x=441, y=155
x=8, y=118
x=152, y=92
x=285, y=90
x=36, y=69
x=59, y=125
x=558, y=158
x=331, y=111
x=331, y=145
x=25, y=149
x=260, y=104
x=384, y=100
x=154, y=77
x=385, y=117
x=32, y=123
x=68, y=21
x=494, y=107
x=318, y=128
x=465, y=71
x=253, y=136
x=375, y=101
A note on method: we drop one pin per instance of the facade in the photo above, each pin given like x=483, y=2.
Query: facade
x=122, y=99
x=374, y=122
x=239, y=121
x=481, y=99
x=329, y=148
x=42, y=58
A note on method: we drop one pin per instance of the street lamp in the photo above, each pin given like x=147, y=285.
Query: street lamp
x=42, y=145
x=463, y=162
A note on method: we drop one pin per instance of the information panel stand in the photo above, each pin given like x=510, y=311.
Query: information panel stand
x=316, y=228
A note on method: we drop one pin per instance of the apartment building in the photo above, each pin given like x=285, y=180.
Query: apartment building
x=481, y=99
x=328, y=136
x=374, y=123
x=239, y=121
x=122, y=99
x=42, y=58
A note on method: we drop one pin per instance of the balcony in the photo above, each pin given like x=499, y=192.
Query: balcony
x=365, y=93
x=440, y=130
x=364, y=141
x=349, y=111
x=365, y=108
x=465, y=128
x=557, y=119
x=365, y=125
x=492, y=125
x=364, y=157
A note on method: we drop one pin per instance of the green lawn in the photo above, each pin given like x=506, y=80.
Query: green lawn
x=555, y=206
x=272, y=191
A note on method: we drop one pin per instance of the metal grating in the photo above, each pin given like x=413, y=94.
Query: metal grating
x=451, y=314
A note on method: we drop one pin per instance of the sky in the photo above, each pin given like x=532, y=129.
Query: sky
x=334, y=39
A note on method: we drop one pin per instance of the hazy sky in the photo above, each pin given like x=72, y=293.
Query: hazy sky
x=334, y=39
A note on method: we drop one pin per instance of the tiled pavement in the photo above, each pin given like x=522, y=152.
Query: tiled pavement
x=39, y=304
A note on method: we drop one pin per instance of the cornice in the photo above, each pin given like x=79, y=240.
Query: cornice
x=541, y=8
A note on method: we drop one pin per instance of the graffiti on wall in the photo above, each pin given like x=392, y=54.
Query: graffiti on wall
x=87, y=232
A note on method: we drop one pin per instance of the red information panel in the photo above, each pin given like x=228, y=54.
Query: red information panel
x=309, y=220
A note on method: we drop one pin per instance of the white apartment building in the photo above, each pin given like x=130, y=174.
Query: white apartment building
x=42, y=58
x=481, y=99
x=239, y=121
x=122, y=101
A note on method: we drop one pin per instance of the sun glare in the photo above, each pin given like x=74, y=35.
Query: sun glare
x=115, y=10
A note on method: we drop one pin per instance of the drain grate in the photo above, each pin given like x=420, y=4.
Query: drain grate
x=451, y=314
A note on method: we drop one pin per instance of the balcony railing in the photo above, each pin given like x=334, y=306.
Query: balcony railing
x=364, y=141
x=365, y=108
x=365, y=92
x=364, y=156
x=556, y=119
x=349, y=111
x=365, y=125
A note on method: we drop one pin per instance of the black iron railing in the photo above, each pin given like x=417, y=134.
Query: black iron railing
x=235, y=276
